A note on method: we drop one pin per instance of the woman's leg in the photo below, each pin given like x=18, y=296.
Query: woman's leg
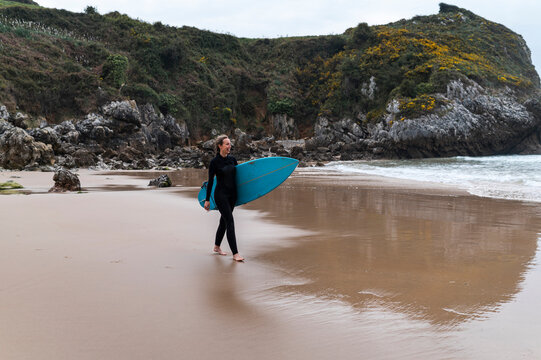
x=226, y=210
x=220, y=232
x=236, y=256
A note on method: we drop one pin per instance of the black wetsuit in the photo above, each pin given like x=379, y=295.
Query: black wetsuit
x=225, y=196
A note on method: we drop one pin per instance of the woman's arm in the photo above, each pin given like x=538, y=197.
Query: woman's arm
x=210, y=182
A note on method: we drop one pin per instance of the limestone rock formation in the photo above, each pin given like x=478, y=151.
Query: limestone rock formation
x=472, y=121
x=284, y=127
x=19, y=150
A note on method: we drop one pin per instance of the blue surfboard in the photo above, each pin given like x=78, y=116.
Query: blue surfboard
x=255, y=178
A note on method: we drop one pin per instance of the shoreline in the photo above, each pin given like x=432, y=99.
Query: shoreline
x=333, y=264
x=502, y=191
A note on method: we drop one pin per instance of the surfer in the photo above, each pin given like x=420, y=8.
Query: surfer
x=225, y=194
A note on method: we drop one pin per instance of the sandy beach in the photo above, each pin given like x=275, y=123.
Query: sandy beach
x=336, y=266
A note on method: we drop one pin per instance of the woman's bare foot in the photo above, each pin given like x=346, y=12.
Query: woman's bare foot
x=237, y=257
x=219, y=251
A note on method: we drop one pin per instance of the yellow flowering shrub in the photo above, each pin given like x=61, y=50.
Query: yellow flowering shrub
x=417, y=106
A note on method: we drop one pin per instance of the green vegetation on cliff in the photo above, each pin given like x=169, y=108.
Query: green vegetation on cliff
x=61, y=64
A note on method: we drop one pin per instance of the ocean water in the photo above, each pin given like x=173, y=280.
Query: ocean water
x=516, y=177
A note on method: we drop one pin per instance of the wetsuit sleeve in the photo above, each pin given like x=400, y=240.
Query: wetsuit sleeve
x=235, y=161
x=212, y=172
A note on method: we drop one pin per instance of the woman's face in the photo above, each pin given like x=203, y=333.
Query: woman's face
x=225, y=147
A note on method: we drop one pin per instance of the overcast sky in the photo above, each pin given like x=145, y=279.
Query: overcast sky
x=274, y=18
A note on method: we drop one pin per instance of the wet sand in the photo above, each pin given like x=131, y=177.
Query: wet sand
x=337, y=266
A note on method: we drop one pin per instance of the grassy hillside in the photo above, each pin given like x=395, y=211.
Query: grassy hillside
x=61, y=64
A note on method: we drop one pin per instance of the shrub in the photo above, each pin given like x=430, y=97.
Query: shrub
x=281, y=106
x=91, y=10
x=424, y=88
x=362, y=35
x=408, y=88
x=417, y=106
x=142, y=93
x=168, y=104
x=440, y=79
x=114, y=70
x=22, y=32
x=375, y=115
x=172, y=55
x=446, y=8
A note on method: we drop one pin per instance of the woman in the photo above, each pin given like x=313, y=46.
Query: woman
x=225, y=194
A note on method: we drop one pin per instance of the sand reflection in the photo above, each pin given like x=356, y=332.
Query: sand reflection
x=445, y=259
x=222, y=288
x=429, y=254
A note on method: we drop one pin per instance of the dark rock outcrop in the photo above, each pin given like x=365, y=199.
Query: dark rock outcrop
x=472, y=121
x=123, y=112
x=47, y=135
x=84, y=158
x=67, y=132
x=20, y=120
x=19, y=150
x=4, y=126
x=121, y=136
x=130, y=155
x=532, y=143
x=4, y=114
x=243, y=143
x=65, y=180
x=161, y=181
x=284, y=127
x=162, y=132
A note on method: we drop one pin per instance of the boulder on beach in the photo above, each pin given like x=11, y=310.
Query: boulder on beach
x=65, y=180
x=161, y=181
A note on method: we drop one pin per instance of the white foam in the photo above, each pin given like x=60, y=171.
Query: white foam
x=516, y=177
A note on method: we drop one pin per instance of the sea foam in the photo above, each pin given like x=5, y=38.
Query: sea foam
x=515, y=177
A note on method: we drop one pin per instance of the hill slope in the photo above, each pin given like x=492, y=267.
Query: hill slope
x=60, y=64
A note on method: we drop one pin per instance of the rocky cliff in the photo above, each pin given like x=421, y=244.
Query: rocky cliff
x=440, y=85
x=471, y=121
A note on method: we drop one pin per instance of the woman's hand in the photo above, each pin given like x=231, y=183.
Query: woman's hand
x=207, y=205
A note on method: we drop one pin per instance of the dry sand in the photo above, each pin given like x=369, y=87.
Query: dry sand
x=348, y=267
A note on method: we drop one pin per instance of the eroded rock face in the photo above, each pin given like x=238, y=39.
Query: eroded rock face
x=65, y=180
x=162, y=132
x=121, y=136
x=46, y=135
x=284, y=127
x=4, y=126
x=18, y=150
x=67, y=132
x=123, y=111
x=532, y=143
x=84, y=158
x=4, y=114
x=333, y=139
x=472, y=122
x=242, y=143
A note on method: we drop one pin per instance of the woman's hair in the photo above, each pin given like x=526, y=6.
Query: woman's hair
x=219, y=141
